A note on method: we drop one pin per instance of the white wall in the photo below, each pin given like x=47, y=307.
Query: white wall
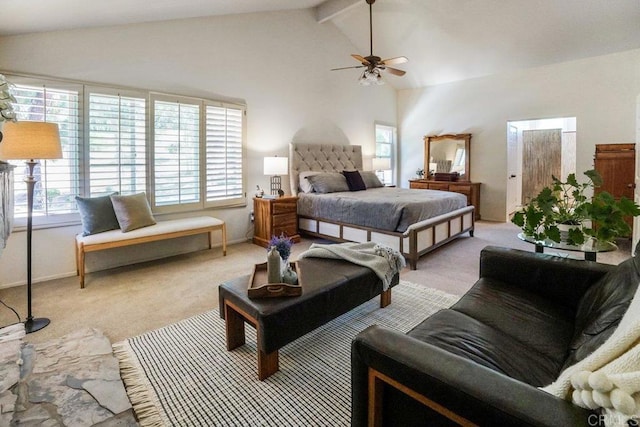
x=600, y=92
x=278, y=63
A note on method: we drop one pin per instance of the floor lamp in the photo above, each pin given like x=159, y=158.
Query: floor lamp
x=32, y=141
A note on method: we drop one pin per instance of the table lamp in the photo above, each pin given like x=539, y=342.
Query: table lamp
x=276, y=166
x=380, y=164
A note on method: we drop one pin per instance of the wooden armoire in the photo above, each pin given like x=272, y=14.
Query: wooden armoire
x=616, y=163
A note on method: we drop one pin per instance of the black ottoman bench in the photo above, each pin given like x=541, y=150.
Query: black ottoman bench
x=330, y=288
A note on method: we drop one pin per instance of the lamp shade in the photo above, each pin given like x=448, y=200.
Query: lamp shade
x=276, y=165
x=380, y=163
x=30, y=140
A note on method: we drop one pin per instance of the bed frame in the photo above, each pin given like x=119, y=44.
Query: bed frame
x=419, y=239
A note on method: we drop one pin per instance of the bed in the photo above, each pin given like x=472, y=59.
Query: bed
x=415, y=222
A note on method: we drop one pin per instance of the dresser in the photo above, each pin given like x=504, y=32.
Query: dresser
x=273, y=217
x=469, y=189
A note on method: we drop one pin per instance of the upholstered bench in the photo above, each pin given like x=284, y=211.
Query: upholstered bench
x=330, y=288
x=162, y=230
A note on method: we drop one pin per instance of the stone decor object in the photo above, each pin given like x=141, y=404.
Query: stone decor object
x=71, y=381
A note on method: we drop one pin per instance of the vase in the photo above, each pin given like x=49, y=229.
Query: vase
x=289, y=276
x=564, y=231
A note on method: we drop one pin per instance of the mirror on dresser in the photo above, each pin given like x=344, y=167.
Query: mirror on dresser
x=447, y=167
x=447, y=154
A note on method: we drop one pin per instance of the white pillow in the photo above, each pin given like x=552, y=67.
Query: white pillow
x=304, y=183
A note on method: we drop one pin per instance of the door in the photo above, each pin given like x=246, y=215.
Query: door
x=513, y=199
x=616, y=164
x=541, y=159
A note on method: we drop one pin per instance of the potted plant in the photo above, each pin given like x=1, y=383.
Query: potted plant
x=566, y=212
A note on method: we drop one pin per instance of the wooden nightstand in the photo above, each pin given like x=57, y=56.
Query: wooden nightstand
x=273, y=217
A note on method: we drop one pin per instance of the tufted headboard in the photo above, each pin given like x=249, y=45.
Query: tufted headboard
x=322, y=157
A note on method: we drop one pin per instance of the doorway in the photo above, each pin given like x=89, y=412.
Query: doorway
x=536, y=150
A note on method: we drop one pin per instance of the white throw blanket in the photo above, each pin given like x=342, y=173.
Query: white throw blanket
x=383, y=260
x=608, y=378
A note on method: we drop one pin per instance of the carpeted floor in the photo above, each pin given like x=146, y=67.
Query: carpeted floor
x=182, y=374
x=128, y=301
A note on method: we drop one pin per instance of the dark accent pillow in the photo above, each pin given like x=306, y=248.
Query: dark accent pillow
x=370, y=179
x=97, y=214
x=329, y=182
x=132, y=211
x=354, y=180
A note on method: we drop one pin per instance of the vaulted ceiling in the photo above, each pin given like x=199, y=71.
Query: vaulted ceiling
x=445, y=40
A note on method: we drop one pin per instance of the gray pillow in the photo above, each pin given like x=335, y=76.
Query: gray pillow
x=96, y=214
x=132, y=211
x=370, y=179
x=328, y=182
x=304, y=183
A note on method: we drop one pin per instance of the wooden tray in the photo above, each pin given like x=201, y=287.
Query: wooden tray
x=259, y=288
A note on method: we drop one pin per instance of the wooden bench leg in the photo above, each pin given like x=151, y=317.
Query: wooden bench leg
x=80, y=264
x=234, y=327
x=268, y=364
x=385, y=298
x=224, y=239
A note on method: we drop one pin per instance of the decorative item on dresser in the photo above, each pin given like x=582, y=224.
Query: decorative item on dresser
x=274, y=217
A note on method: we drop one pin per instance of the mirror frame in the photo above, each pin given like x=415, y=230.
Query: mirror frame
x=466, y=137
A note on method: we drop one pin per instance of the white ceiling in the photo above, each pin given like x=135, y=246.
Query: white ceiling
x=445, y=40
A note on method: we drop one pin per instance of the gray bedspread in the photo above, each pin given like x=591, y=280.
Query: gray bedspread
x=391, y=209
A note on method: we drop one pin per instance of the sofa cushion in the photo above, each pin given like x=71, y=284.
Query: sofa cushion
x=465, y=336
x=527, y=317
x=602, y=307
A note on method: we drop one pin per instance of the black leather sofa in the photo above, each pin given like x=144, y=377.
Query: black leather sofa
x=481, y=361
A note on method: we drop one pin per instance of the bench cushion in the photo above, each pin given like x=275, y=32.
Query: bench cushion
x=330, y=288
x=161, y=227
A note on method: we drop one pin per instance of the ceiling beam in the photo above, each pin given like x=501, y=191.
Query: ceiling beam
x=332, y=8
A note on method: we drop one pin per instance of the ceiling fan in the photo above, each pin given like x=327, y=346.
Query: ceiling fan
x=374, y=64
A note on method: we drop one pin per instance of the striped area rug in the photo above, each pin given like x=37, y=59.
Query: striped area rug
x=182, y=374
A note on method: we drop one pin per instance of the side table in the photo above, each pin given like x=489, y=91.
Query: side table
x=273, y=217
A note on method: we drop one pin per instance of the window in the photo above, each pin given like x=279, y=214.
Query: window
x=117, y=144
x=197, y=152
x=186, y=153
x=57, y=180
x=224, y=154
x=386, y=149
x=176, y=153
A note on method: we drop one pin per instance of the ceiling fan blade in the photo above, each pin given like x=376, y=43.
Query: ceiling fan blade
x=395, y=71
x=360, y=58
x=347, y=68
x=395, y=61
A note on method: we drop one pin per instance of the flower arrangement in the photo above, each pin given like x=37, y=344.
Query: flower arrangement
x=282, y=244
x=6, y=101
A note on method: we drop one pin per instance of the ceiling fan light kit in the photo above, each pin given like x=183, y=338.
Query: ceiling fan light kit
x=374, y=65
x=369, y=78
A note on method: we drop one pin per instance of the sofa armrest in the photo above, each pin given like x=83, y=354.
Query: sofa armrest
x=469, y=390
x=564, y=280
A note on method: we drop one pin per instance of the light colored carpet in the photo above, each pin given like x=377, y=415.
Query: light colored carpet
x=128, y=301
x=182, y=374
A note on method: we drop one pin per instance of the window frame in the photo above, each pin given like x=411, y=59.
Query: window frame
x=62, y=219
x=393, y=147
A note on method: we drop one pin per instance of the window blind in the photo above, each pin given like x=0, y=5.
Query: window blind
x=57, y=180
x=176, y=155
x=224, y=169
x=117, y=144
